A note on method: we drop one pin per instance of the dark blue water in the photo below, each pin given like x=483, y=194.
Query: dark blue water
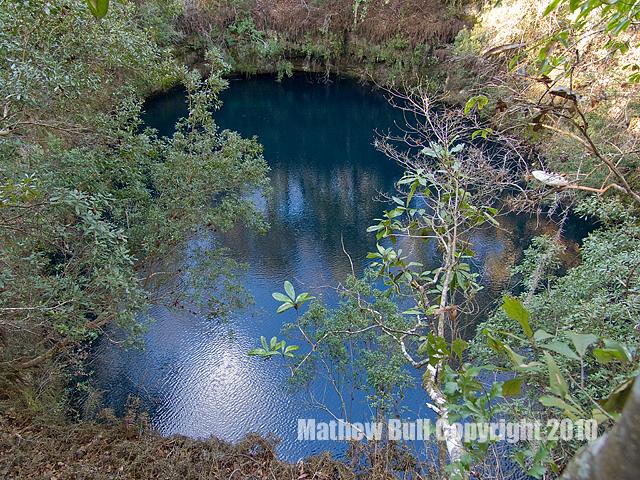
x=194, y=375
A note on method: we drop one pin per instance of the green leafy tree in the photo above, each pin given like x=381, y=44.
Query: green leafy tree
x=448, y=191
x=92, y=207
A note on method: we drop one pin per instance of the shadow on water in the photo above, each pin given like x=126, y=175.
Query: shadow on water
x=194, y=374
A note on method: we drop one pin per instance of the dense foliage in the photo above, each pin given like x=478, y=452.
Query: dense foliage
x=92, y=206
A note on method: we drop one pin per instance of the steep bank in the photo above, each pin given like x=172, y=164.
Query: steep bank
x=129, y=449
x=390, y=42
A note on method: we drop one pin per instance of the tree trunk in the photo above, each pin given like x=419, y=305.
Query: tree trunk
x=454, y=445
x=615, y=455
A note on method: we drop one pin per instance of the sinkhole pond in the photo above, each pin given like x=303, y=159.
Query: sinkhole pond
x=194, y=375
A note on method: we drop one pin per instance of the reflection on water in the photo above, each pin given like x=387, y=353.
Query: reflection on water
x=194, y=374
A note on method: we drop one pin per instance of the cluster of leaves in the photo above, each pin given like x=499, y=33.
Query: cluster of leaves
x=57, y=58
x=562, y=397
x=289, y=299
x=568, y=362
x=396, y=60
x=616, y=16
x=274, y=347
x=580, y=350
x=92, y=207
x=254, y=50
x=580, y=44
x=545, y=342
x=349, y=352
x=364, y=358
x=471, y=399
x=573, y=359
x=369, y=362
x=436, y=202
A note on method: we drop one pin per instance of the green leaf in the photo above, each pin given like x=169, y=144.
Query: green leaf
x=558, y=384
x=562, y=349
x=605, y=355
x=483, y=132
x=303, y=298
x=491, y=219
x=98, y=8
x=459, y=346
x=515, y=310
x=284, y=307
x=541, y=335
x=457, y=148
x=613, y=344
x=537, y=471
x=581, y=341
x=516, y=359
x=599, y=416
x=520, y=457
x=289, y=289
x=512, y=388
x=612, y=351
x=478, y=100
x=569, y=410
x=614, y=403
x=608, y=355
x=495, y=344
x=413, y=311
x=551, y=7
x=280, y=297
x=414, y=187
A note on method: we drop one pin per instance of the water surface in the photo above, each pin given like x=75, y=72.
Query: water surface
x=194, y=375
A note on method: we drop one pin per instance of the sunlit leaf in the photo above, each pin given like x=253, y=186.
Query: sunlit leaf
x=615, y=402
x=569, y=410
x=516, y=359
x=541, y=335
x=514, y=308
x=284, y=307
x=479, y=101
x=289, y=289
x=280, y=297
x=613, y=351
x=98, y=8
x=551, y=7
x=459, y=346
